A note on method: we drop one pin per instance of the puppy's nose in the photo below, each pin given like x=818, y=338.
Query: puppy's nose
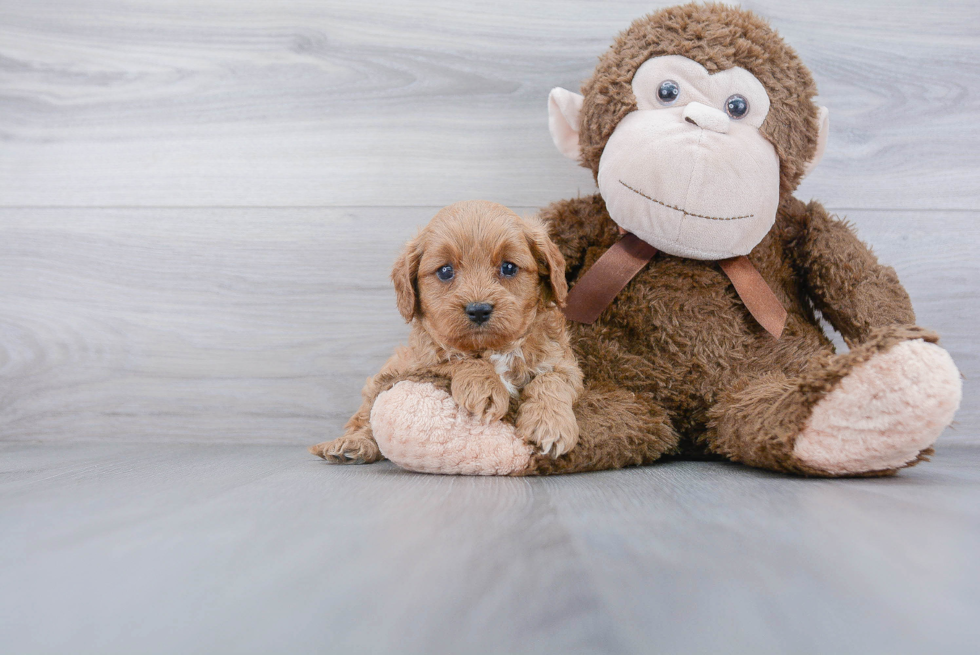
x=479, y=312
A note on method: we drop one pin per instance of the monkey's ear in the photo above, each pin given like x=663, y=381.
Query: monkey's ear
x=405, y=276
x=564, y=108
x=823, y=120
x=551, y=265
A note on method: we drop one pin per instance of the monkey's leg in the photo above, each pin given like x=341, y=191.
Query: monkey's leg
x=621, y=423
x=871, y=411
x=419, y=427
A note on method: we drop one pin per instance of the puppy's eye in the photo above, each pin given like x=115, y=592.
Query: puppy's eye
x=446, y=273
x=668, y=92
x=508, y=269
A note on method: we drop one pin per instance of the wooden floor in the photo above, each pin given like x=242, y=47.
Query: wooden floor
x=194, y=548
x=199, y=205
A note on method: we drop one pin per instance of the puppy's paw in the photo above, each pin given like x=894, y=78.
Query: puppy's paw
x=354, y=448
x=550, y=427
x=484, y=397
x=499, y=401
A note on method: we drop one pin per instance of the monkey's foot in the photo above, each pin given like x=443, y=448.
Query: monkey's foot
x=884, y=413
x=421, y=428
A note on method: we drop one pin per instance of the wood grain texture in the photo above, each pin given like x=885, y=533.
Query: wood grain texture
x=194, y=324
x=199, y=205
x=191, y=548
x=260, y=325
x=249, y=102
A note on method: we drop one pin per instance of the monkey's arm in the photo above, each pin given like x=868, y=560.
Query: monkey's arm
x=843, y=277
x=577, y=224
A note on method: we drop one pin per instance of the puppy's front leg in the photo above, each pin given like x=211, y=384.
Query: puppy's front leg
x=357, y=445
x=477, y=388
x=545, y=417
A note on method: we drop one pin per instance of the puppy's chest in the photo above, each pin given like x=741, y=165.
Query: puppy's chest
x=514, y=370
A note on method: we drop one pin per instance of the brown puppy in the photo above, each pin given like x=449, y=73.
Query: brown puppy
x=482, y=289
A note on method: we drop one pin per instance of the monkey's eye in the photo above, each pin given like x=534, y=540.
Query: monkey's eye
x=508, y=269
x=737, y=106
x=446, y=273
x=668, y=92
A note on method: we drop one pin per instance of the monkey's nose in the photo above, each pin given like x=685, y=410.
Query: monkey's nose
x=479, y=312
x=707, y=118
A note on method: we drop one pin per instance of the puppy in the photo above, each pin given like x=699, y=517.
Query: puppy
x=481, y=288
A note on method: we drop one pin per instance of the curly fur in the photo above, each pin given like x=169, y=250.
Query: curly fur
x=518, y=364
x=681, y=342
x=705, y=378
x=676, y=365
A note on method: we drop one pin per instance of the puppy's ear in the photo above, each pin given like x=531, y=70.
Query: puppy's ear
x=405, y=276
x=551, y=265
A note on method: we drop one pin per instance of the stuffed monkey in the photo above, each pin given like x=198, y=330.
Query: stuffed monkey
x=697, y=279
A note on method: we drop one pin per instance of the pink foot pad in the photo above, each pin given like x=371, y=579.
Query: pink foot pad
x=421, y=428
x=884, y=413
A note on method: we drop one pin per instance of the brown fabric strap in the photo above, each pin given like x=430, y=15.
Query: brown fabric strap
x=627, y=257
x=607, y=277
x=759, y=299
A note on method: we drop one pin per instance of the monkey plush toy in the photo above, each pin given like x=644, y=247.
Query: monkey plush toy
x=697, y=279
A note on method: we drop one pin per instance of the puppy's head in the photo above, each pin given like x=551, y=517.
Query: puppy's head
x=477, y=275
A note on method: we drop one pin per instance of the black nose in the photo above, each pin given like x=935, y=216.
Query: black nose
x=479, y=312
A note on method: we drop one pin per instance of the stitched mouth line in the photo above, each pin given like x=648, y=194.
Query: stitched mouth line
x=684, y=211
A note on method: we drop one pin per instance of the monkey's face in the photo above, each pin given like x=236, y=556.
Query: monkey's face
x=690, y=172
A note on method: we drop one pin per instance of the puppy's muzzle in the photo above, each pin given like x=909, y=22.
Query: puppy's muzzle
x=479, y=312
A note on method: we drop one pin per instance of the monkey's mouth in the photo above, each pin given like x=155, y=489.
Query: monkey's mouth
x=684, y=211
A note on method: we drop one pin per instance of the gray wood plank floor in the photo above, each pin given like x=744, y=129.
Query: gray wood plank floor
x=191, y=548
x=199, y=204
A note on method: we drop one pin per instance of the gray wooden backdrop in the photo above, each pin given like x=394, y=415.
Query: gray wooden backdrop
x=200, y=199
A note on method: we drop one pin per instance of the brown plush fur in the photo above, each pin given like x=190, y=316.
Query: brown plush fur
x=676, y=364
x=523, y=345
x=701, y=376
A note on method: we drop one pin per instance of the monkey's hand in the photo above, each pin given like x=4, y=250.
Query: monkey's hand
x=551, y=426
x=477, y=388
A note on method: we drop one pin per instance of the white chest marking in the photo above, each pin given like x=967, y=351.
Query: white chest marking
x=502, y=363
